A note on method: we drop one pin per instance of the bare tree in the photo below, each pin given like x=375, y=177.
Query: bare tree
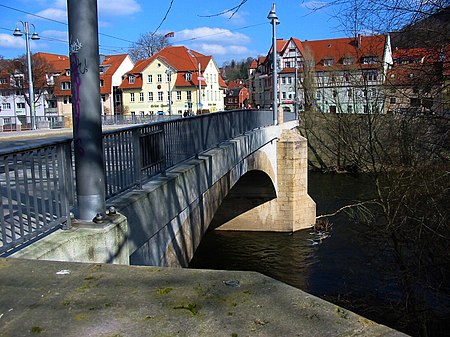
x=17, y=70
x=147, y=45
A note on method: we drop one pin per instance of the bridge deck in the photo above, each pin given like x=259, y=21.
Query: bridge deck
x=74, y=299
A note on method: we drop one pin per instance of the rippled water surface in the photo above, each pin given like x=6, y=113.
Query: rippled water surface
x=345, y=269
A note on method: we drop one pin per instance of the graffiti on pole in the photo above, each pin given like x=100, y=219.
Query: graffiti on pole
x=77, y=68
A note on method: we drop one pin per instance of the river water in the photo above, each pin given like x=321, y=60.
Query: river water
x=344, y=269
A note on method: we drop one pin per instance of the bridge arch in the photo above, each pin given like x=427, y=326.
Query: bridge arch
x=253, y=189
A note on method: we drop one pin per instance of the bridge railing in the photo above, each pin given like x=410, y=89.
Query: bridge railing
x=37, y=182
x=135, y=154
x=36, y=185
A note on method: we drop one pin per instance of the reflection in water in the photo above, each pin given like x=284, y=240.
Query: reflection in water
x=344, y=269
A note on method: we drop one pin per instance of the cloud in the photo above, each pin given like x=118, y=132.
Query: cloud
x=55, y=34
x=118, y=7
x=10, y=41
x=224, y=36
x=218, y=50
x=57, y=14
x=238, y=19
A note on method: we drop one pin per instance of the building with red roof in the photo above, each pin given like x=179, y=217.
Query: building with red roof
x=190, y=79
x=333, y=75
x=418, y=81
x=111, y=68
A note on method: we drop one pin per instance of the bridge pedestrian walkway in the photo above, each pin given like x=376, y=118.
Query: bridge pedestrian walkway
x=73, y=299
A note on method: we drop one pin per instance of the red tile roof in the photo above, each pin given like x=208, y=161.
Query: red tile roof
x=338, y=49
x=181, y=59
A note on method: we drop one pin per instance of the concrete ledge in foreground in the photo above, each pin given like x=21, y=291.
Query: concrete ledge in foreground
x=49, y=298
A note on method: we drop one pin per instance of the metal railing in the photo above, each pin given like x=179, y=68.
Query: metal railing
x=37, y=183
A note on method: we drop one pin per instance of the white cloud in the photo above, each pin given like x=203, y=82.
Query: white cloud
x=218, y=49
x=118, y=7
x=11, y=41
x=55, y=34
x=238, y=19
x=220, y=35
x=54, y=14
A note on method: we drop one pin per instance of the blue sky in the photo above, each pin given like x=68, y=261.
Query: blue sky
x=195, y=23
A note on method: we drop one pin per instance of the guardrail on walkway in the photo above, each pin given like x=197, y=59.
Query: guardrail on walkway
x=37, y=183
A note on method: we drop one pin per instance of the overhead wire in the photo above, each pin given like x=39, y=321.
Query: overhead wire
x=122, y=48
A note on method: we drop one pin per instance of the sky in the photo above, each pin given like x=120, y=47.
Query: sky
x=200, y=25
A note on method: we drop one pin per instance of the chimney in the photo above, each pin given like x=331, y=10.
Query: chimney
x=358, y=41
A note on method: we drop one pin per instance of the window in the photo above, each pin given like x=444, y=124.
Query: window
x=159, y=78
x=168, y=96
x=67, y=99
x=6, y=106
x=3, y=80
x=131, y=79
x=347, y=61
x=350, y=109
x=132, y=97
x=370, y=59
x=102, y=83
x=103, y=97
x=349, y=92
x=20, y=105
x=150, y=96
x=188, y=76
x=149, y=78
x=392, y=100
x=169, y=77
x=141, y=97
x=160, y=95
x=328, y=62
x=289, y=80
x=65, y=85
x=188, y=95
x=334, y=93
x=178, y=95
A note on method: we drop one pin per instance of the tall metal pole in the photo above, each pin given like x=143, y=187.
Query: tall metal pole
x=296, y=88
x=30, y=77
x=199, y=88
x=169, y=82
x=86, y=111
x=35, y=36
x=274, y=21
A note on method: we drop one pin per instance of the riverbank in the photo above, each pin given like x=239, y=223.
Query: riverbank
x=73, y=299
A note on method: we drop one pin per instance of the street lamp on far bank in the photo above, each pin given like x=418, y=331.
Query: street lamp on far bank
x=34, y=36
x=274, y=21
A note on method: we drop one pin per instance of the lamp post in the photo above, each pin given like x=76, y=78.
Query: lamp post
x=34, y=36
x=169, y=80
x=199, y=78
x=274, y=21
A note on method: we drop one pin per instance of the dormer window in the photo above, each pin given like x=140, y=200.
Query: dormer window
x=188, y=76
x=328, y=62
x=347, y=61
x=370, y=59
x=65, y=85
x=131, y=79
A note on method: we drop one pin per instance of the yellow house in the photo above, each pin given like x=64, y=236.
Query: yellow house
x=191, y=80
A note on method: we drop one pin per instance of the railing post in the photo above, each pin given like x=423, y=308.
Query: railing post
x=65, y=182
x=137, y=156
